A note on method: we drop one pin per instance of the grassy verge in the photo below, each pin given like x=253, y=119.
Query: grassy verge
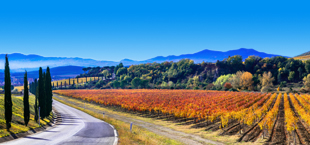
x=18, y=125
x=138, y=135
x=202, y=132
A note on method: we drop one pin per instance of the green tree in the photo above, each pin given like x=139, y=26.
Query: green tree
x=135, y=83
x=291, y=76
x=307, y=66
x=121, y=71
x=306, y=82
x=222, y=80
x=106, y=73
x=251, y=62
x=48, y=92
x=300, y=72
x=36, y=93
x=26, y=101
x=123, y=84
x=144, y=83
x=118, y=67
x=7, y=95
x=235, y=63
x=116, y=84
x=41, y=94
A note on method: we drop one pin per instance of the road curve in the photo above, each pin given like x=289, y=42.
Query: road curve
x=76, y=127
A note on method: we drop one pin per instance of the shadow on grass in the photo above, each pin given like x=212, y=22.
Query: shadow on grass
x=12, y=134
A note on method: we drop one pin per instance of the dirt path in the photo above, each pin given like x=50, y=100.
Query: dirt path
x=185, y=138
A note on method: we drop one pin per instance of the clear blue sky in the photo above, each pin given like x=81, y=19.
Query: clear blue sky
x=138, y=30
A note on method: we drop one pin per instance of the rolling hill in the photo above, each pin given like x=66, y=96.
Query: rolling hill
x=304, y=56
x=20, y=62
x=204, y=55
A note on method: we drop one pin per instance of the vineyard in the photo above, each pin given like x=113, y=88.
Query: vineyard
x=75, y=81
x=306, y=57
x=277, y=118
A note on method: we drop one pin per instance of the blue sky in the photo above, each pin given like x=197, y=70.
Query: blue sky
x=138, y=30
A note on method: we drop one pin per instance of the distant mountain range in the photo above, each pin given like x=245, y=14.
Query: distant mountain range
x=204, y=55
x=20, y=62
x=57, y=73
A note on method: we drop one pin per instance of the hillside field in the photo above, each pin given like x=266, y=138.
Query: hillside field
x=277, y=118
x=306, y=57
x=18, y=116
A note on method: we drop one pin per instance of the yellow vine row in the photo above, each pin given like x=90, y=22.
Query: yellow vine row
x=271, y=116
x=251, y=117
x=290, y=118
x=300, y=110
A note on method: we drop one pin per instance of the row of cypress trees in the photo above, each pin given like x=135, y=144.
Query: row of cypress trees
x=42, y=90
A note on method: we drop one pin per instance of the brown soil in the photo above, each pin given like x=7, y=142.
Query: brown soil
x=254, y=132
x=278, y=135
x=303, y=135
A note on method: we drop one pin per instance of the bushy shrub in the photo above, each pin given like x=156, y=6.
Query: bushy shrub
x=220, y=81
x=210, y=86
x=227, y=86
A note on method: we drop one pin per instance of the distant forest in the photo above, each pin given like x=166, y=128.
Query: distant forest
x=185, y=74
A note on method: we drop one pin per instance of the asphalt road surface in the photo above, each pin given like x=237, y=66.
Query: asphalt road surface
x=76, y=128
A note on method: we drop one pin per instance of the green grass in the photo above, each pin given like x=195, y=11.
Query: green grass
x=138, y=135
x=18, y=124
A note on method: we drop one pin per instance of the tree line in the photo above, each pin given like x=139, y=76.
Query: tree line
x=185, y=74
x=42, y=89
x=43, y=95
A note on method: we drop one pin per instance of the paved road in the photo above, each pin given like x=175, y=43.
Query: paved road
x=76, y=127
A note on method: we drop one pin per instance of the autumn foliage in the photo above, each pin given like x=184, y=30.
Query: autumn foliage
x=227, y=86
x=221, y=107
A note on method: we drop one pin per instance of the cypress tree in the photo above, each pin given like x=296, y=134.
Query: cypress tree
x=36, y=93
x=61, y=84
x=57, y=84
x=69, y=82
x=7, y=95
x=77, y=80
x=44, y=113
x=86, y=79
x=49, y=92
x=41, y=94
x=30, y=87
x=26, y=100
